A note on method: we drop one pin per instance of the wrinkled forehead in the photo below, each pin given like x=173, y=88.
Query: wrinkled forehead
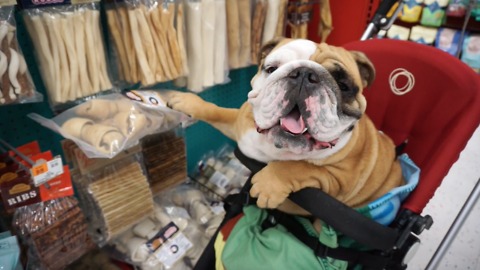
x=330, y=57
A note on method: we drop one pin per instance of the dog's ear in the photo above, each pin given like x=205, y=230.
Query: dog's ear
x=366, y=68
x=269, y=46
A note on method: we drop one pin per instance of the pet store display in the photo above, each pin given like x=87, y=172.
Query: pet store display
x=149, y=40
x=16, y=84
x=69, y=48
x=174, y=236
x=55, y=232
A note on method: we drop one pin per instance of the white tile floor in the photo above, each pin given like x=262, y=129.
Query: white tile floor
x=464, y=253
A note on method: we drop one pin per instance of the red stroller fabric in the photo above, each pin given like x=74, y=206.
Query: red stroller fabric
x=436, y=118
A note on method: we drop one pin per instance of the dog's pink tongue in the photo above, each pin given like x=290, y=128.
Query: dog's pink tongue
x=293, y=122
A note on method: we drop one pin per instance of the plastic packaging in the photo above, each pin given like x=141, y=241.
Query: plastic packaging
x=114, y=197
x=16, y=84
x=221, y=173
x=150, y=48
x=9, y=252
x=239, y=21
x=206, y=27
x=69, y=49
x=105, y=126
x=259, y=14
x=175, y=235
x=54, y=231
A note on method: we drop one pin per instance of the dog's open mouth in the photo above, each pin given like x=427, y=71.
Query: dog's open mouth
x=294, y=124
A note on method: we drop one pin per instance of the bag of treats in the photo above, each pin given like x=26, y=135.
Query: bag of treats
x=69, y=49
x=55, y=233
x=148, y=46
x=105, y=126
x=16, y=84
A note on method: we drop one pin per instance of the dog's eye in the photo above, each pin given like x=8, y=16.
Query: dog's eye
x=343, y=86
x=270, y=69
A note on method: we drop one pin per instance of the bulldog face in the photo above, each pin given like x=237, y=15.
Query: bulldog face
x=307, y=97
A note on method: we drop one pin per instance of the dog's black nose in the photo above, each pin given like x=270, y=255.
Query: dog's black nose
x=304, y=74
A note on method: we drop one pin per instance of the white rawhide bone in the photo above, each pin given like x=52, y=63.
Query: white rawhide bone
x=3, y=69
x=57, y=84
x=91, y=56
x=104, y=79
x=78, y=28
x=64, y=71
x=68, y=39
x=13, y=70
x=3, y=31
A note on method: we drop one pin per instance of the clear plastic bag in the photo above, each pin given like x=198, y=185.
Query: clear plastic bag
x=55, y=232
x=105, y=126
x=16, y=84
x=148, y=46
x=175, y=235
x=114, y=197
x=70, y=51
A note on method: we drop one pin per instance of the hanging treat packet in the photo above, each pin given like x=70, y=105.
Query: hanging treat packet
x=398, y=32
x=423, y=35
x=434, y=13
x=69, y=49
x=471, y=51
x=148, y=40
x=54, y=232
x=448, y=40
x=411, y=11
x=109, y=124
x=16, y=84
x=208, y=33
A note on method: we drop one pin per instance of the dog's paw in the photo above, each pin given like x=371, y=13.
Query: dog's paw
x=187, y=103
x=269, y=190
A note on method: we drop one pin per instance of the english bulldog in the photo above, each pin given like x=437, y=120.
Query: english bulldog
x=305, y=117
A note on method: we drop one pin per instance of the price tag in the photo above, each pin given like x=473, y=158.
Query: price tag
x=43, y=172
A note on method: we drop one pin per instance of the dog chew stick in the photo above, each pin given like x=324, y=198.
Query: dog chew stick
x=271, y=21
x=194, y=46
x=257, y=28
x=245, y=19
x=99, y=51
x=160, y=53
x=282, y=11
x=124, y=24
x=161, y=21
x=41, y=41
x=13, y=70
x=114, y=27
x=161, y=42
x=85, y=87
x=208, y=36
x=58, y=83
x=68, y=39
x=233, y=24
x=181, y=34
x=147, y=75
x=92, y=66
x=64, y=70
x=221, y=49
x=147, y=41
x=168, y=18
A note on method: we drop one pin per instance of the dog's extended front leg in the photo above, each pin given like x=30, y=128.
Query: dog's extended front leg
x=220, y=118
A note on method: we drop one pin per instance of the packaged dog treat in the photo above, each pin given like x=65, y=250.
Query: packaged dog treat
x=114, y=196
x=149, y=47
x=258, y=20
x=423, y=35
x=206, y=28
x=398, y=32
x=69, y=49
x=471, y=51
x=55, y=232
x=16, y=84
x=174, y=236
x=448, y=40
x=104, y=126
x=411, y=11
